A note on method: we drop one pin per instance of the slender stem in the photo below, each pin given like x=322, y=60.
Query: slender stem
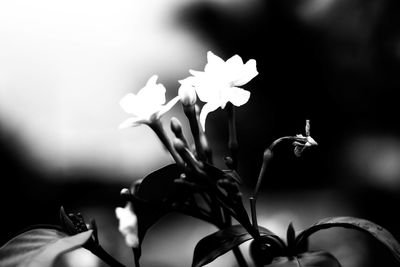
x=136, y=256
x=200, y=140
x=253, y=212
x=236, y=250
x=160, y=132
x=239, y=257
x=267, y=156
x=232, y=143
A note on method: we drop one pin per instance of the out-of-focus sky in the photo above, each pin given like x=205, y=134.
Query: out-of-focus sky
x=64, y=66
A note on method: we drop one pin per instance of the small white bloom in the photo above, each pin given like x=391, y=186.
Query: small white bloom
x=218, y=83
x=128, y=225
x=147, y=105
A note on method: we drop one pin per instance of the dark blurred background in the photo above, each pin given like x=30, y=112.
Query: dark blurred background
x=335, y=62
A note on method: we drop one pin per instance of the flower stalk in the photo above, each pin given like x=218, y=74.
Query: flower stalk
x=202, y=148
x=232, y=143
x=162, y=135
x=300, y=143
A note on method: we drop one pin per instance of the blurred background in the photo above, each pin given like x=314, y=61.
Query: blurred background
x=64, y=66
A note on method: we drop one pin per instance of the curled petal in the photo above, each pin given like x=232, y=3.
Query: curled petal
x=248, y=72
x=207, y=108
x=311, y=141
x=238, y=96
x=132, y=122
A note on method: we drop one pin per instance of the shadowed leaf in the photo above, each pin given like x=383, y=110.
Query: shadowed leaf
x=220, y=242
x=39, y=247
x=159, y=185
x=378, y=232
x=66, y=222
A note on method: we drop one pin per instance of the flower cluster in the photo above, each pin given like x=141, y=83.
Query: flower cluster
x=216, y=86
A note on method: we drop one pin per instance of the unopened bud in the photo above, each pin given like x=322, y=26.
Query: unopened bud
x=187, y=95
x=176, y=126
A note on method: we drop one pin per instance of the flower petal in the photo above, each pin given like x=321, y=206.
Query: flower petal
x=197, y=73
x=214, y=63
x=132, y=122
x=152, y=93
x=248, y=72
x=128, y=103
x=238, y=96
x=235, y=61
x=207, y=108
x=311, y=141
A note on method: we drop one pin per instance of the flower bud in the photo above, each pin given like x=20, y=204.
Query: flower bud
x=187, y=95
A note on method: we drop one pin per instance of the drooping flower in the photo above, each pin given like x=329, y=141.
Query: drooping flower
x=128, y=225
x=219, y=83
x=147, y=105
x=303, y=142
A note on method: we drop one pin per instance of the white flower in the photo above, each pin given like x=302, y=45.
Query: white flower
x=128, y=225
x=218, y=83
x=147, y=105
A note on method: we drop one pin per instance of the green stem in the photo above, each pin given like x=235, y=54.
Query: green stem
x=232, y=143
x=136, y=255
x=267, y=156
x=200, y=140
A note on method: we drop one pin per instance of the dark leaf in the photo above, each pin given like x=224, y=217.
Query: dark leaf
x=220, y=242
x=308, y=259
x=66, y=222
x=213, y=172
x=159, y=185
x=148, y=213
x=380, y=233
x=290, y=239
x=39, y=247
x=234, y=175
